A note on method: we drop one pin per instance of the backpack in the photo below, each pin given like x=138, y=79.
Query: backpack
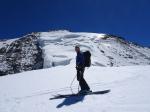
x=87, y=58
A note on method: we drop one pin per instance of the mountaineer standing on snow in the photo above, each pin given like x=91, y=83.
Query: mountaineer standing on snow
x=80, y=67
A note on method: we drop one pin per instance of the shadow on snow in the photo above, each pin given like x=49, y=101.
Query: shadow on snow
x=71, y=100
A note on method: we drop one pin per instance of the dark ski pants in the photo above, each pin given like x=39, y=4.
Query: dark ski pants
x=83, y=84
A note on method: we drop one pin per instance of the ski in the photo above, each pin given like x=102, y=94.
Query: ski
x=59, y=96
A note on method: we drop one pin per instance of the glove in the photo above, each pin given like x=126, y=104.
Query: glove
x=79, y=67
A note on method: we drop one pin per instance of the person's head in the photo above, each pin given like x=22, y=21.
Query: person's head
x=77, y=49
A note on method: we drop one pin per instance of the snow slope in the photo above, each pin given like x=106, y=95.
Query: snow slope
x=106, y=50
x=30, y=91
x=130, y=91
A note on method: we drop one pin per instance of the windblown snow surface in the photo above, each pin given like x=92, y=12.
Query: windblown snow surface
x=129, y=82
x=30, y=91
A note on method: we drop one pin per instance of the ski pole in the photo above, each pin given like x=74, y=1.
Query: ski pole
x=72, y=83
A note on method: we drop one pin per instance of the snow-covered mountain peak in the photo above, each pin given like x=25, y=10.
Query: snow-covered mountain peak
x=107, y=50
x=55, y=48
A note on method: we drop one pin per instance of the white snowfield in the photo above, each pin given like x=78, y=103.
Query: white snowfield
x=30, y=91
x=58, y=49
x=128, y=79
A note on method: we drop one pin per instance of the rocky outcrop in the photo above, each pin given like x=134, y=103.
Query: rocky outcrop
x=23, y=54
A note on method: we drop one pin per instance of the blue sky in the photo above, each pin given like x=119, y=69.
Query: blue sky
x=127, y=18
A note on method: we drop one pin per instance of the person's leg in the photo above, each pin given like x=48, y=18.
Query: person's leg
x=78, y=75
x=79, y=78
x=82, y=82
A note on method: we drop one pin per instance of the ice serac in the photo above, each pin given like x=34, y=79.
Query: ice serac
x=18, y=55
x=106, y=50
